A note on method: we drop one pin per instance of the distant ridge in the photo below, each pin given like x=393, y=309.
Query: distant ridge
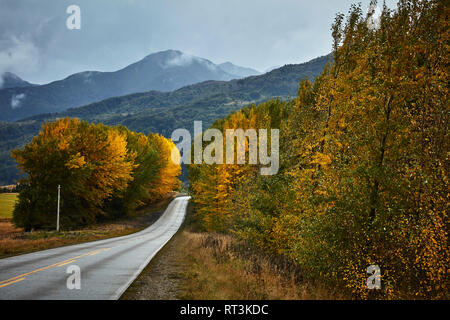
x=241, y=72
x=162, y=71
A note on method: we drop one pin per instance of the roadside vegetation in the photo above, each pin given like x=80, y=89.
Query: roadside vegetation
x=363, y=176
x=198, y=265
x=219, y=267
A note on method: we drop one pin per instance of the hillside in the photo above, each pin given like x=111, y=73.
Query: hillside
x=242, y=72
x=11, y=80
x=165, y=111
x=162, y=112
x=163, y=71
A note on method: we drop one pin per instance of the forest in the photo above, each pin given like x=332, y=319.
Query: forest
x=364, y=158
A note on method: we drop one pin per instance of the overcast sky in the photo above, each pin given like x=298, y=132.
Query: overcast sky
x=36, y=44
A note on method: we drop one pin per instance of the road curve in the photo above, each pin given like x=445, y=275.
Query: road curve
x=107, y=267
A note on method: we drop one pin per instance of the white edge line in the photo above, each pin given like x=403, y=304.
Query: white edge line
x=119, y=292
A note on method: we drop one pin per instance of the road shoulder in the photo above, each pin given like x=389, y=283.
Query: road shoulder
x=15, y=241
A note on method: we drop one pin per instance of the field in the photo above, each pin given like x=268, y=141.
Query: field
x=7, y=201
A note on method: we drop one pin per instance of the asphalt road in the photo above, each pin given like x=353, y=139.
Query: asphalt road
x=107, y=267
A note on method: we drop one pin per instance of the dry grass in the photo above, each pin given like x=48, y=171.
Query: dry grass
x=15, y=241
x=218, y=267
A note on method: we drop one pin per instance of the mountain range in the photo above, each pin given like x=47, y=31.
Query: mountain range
x=163, y=112
x=10, y=80
x=162, y=71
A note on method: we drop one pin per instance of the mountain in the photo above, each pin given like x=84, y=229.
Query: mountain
x=162, y=112
x=10, y=80
x=163, y=71
x=240, y=72
x=271, y=68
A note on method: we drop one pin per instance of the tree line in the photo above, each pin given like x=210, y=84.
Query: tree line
x=104, y=172
x=364, y=158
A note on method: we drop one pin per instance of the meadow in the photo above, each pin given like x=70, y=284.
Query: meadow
x=7, y=201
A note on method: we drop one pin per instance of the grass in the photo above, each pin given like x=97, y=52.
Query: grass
x=14, y=241
x=7, y=201
x=218, y=267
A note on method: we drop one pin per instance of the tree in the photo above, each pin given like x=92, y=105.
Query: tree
x=104, y=172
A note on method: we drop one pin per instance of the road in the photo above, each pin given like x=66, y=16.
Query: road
x=106, y=267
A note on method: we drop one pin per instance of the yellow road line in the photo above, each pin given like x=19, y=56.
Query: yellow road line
x=12, y=280
x=63, y=264
x=7, y=284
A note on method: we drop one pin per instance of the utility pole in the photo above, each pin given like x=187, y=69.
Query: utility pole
x=57, y=210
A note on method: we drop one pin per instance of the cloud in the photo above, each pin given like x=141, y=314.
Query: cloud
x=18, y=55
x=16, y=100
x=182, y=59
x=87, y=76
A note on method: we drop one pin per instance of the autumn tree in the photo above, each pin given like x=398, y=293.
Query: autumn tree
x=89, y=161
x=104, y=172
x=167, y=176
